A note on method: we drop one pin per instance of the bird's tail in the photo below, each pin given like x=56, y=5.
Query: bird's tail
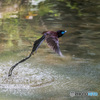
x=35, y=47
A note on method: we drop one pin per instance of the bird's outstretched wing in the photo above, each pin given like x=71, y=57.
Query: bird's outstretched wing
x=35, y=47
x=54, y=44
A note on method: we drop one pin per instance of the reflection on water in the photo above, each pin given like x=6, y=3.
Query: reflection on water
x=46, y=76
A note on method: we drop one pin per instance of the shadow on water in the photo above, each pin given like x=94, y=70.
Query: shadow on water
x=46, y=76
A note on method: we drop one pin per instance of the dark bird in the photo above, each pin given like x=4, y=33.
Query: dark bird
x=51, y=38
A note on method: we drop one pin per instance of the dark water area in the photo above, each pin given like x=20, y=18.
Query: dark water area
x=46, y=76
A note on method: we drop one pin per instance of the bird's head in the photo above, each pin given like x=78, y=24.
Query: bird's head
x=61, y=33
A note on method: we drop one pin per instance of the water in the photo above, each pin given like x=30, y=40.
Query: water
x=46, y=76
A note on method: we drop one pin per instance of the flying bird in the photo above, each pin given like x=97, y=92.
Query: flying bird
x=51, y=38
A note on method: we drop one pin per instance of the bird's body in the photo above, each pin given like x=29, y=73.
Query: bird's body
x=51, y=38
x=50, y=33
x=52, y=41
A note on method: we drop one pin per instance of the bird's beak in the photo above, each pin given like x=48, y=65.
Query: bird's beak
x=65, y=31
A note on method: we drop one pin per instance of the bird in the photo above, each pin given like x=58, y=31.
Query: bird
x=51, y=37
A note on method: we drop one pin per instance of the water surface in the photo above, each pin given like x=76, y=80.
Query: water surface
x=46, y=76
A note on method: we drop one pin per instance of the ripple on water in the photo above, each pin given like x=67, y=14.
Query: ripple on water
x=24, y=77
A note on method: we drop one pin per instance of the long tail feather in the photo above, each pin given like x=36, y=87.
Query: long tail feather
x=35, y=47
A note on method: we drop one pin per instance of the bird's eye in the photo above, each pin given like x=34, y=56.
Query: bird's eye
x=62, y=32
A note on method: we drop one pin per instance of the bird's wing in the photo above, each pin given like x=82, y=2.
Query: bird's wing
x=37, y=43
x=54, y=44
